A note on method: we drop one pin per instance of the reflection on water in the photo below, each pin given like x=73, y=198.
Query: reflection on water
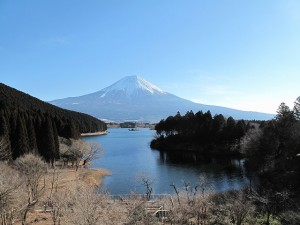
x=219, y=174
x=127, y=154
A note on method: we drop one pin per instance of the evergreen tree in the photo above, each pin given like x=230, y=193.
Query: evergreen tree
x=56, y=141
x=217, y=127
x=22, y=122
x=20, y=139
x=47, y=147
x=284, y=116
x=240, y=129
x=32, y=136
x=199, y=132
x=229, y=129
x=5, y=150
x=296, y=108
x=205, y=127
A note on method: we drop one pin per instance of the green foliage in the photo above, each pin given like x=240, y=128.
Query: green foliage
x=290, y=218
x=5, y=145
x=30, y=125
x=296, y=108
x=273, y=150
x=261, y=219
x=199, y=132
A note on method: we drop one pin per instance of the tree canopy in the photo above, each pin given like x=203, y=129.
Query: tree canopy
x=273, y=148
x=29, y=125
x=200, y=132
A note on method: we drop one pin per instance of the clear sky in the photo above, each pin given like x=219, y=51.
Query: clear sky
x=242, y=54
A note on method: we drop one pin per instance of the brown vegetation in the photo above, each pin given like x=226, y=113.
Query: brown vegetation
x=69, y=197
x=58, y=184
x=94, y=133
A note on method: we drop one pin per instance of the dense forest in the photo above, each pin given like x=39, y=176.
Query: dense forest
x=201, y=133
x=271, y=150
x=28, y=124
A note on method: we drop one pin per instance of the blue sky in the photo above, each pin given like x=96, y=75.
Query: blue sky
x=239, y=54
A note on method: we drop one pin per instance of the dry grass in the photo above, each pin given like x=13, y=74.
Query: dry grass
x=63, y=178
x=94, y=134
x=91, y=177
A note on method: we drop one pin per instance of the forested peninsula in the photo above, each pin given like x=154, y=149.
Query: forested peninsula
x=29, y=125
x=270, y=149
x=200, y=133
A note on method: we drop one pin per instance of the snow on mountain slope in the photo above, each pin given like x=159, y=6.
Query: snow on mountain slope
x=131, y=84
x=133, y=98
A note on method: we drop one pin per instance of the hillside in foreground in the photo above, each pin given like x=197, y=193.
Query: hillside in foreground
x=28, y=124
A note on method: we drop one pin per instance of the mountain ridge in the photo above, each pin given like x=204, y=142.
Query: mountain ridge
x=134, y=98
x=30, y=125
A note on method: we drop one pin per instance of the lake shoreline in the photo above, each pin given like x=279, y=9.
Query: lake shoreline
x=94, y=176
x=94, y=133
x=128, y=154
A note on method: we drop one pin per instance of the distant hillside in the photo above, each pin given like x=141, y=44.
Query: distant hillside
x=28, y=124
x=134, y=99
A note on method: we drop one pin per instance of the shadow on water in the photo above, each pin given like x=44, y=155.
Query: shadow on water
x=223, y=172
x=225, y=164
x=127, y=154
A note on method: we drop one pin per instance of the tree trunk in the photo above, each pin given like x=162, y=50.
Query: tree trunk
x=25, y=216
x=268, y=218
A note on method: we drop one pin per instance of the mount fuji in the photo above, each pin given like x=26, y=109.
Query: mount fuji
x=134, y=99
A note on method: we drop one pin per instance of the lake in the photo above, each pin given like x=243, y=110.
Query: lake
x=127, y=154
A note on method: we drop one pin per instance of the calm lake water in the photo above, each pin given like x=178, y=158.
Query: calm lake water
x=128, y=156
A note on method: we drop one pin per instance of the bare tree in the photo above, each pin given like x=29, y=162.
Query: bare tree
x=177, y=192
x=146, y=180
x=10, y=199
x=251, y=140
x=139, y=216
x=267, y=201
x=138, y=211
x=94, y=151
x=32, y=170
x=54, y=199
x=234, y=206
x=58, y=206
x=194, y=204
x=239, y=206
x=86, y=206
x=75, y=151
x=71, y=150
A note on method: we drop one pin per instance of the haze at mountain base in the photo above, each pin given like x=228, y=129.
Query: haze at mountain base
x=134, y=98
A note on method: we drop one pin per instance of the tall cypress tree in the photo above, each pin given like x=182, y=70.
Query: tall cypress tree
x=5, y=150
x=47, y=143
x=32, y=136
x=20, y=139
x=56, y=141
x=70, y=131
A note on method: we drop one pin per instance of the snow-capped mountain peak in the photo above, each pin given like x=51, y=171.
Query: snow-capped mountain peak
x=132, y=84
x=133, y=98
